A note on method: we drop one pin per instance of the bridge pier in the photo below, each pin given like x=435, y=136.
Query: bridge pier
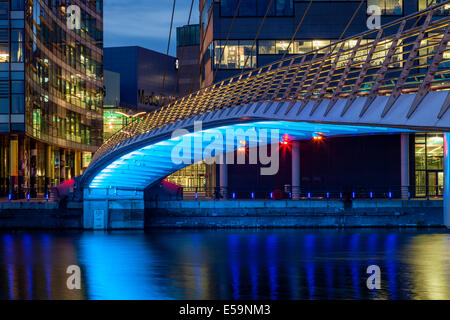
x=223, y=177
x=404, y=166
x=446, y=180
x=296, y=170
x=107, y=209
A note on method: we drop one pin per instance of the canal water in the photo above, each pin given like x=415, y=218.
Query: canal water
x=226, y=264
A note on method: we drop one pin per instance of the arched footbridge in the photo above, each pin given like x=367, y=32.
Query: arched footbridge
x=390, y=80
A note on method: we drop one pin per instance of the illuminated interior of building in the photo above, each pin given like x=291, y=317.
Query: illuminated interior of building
x=428, y=164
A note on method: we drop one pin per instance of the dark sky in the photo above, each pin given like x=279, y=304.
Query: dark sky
x=145, y=23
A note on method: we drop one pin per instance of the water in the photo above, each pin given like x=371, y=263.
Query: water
x=226, y=264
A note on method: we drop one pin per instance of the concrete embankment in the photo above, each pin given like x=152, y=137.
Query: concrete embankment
x=358, y=213
x=229, y=214
x=41, y=215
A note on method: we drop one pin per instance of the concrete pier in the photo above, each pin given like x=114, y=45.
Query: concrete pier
x=404, y=165
x=446, y=217
x=295, y=170
x=113, y=209
x=223, y=172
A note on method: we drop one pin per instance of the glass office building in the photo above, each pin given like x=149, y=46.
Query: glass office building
x=51, y=93
x=322, y=25
x=226, y=51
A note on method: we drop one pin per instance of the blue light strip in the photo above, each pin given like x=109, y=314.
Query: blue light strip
x=141, y=167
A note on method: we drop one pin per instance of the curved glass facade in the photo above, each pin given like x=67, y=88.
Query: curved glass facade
x=64, y=75
x=54, y=95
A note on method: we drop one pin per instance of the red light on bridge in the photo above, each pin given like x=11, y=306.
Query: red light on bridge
x=285, y=139
x=318, y=137
x=285, y=143
x=242, y=148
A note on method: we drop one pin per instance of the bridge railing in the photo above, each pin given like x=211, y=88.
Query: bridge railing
x=288, y=192
x=409, y=55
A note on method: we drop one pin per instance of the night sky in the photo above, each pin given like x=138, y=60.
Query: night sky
x=145, y=23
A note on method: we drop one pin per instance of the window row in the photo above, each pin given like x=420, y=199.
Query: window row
x=236, y=54
x=239, y=54
x=257, y=8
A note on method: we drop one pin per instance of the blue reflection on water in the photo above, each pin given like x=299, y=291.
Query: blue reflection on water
x=391, y=264
x=271, y=247
x=355, y=265
x=309, y=256
x=253, y=265
x=118, y=267
x=226, y=264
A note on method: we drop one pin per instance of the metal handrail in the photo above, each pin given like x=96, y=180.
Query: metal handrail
x=365, y=65
x=288, y=192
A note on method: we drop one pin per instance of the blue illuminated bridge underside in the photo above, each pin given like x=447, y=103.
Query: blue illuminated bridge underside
x=146, y=165
x=146, y=158
x=355, y=86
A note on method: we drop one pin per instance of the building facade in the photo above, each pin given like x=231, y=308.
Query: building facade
x=147, y=77
x=51, y=92
x=324, y=22
x=188, y=55
x=228, y=47
x=114, y=117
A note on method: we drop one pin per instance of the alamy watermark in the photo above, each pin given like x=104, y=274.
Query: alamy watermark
x=73, y=16
x=374, y=280
x=74, y=280
x=218, y=146
x=374, y=19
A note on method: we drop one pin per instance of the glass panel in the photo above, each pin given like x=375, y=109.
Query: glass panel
x=319, y=44
x=420, y=156
x=432, y=183
x=388, y=7
x=435, y=152
x=420, y=184
x=4, y=105
x=266, y=47
x=247, y=8
x=17, y=87
x=235, y=54
x=17, y=52
x=281, y=47
x=247, y=55
x=4, y=53
x=440, y=181
x=18, y=104
x=445, y=10
x=302, y=47
x=228, y=7
x=262, y=8
x=284, y=8
x=4, y=10
x=17, y=5
x=419, y=138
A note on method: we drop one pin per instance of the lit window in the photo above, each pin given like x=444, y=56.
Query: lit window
x=388, y=7
x=280, y=47
x=4, y=53
x=266, y=47
x=235, y=55
x=429, y=50
x=444, y=10
x=428, y=164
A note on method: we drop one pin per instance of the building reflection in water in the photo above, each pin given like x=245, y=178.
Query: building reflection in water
x=429, y=262
x=33, y=266
x=226, y=264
